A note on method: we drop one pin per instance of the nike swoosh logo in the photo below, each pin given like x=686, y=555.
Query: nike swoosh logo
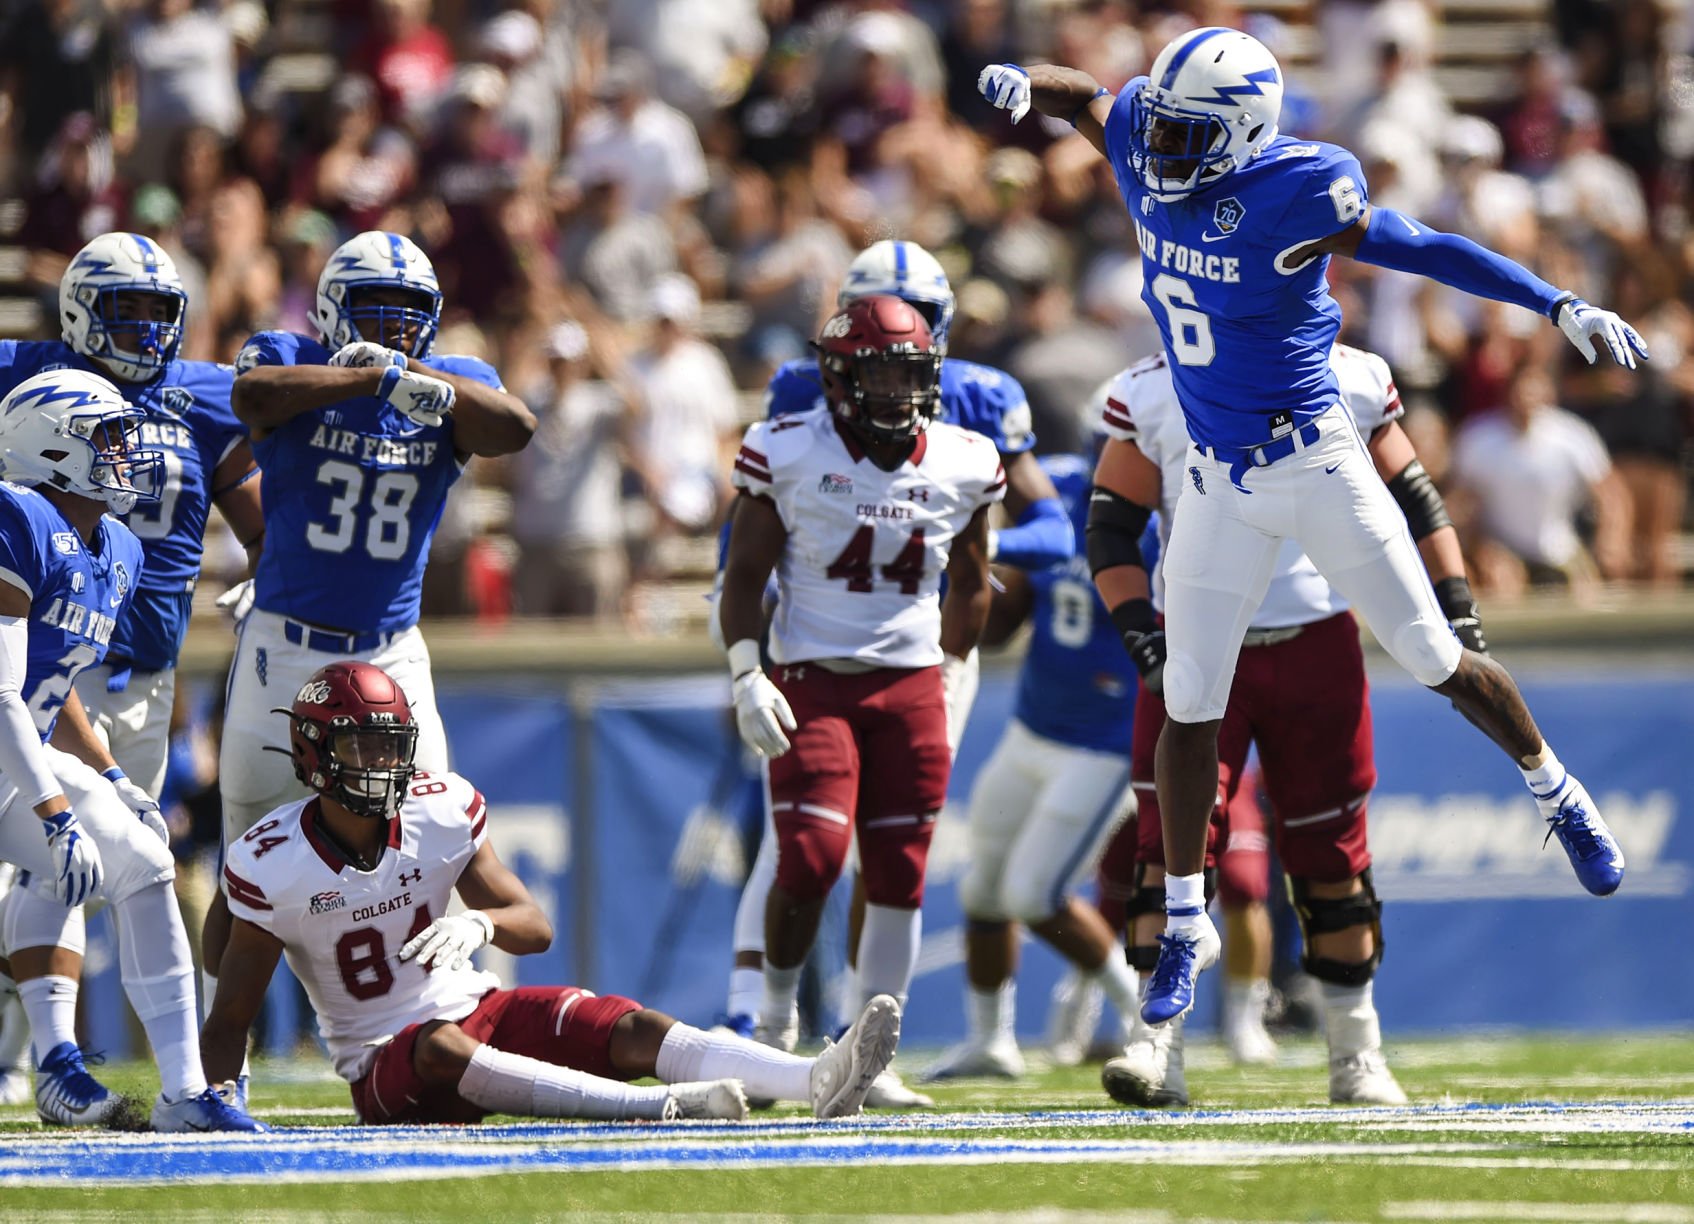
x=1213, y=237
x=1407, y=223
x=1330, y=471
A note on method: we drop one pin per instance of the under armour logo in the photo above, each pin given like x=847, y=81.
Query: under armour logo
x=793, y=673
x=411, y=877
x=1199, y=485
x=920, y=495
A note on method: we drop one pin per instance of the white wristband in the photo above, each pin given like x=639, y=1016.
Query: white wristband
x=743, y=657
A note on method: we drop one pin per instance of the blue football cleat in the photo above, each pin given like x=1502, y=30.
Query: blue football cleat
x=1183, y=956
x=204, y=1113
x=741, y=1024
x=234, y=1092
x=67, y=1095
x=1594, y=854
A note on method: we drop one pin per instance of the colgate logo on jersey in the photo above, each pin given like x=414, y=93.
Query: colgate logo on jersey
x=832, y=483
x=324, y=902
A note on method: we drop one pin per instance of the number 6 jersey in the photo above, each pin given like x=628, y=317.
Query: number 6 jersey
x=343, y=928
x=352, y=495
x=860, y=577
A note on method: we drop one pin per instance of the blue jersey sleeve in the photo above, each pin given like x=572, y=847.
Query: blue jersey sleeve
x=795, y=387
x=270, y=348
x=473, y=368
x=1326, y=194
x=20, y=545
x=990, y=402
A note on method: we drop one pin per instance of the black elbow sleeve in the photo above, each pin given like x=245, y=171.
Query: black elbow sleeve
x=1419, y=500
x=1114, y=531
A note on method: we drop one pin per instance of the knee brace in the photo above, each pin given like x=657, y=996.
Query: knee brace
x=1427, y=649
x=1321, y=915
x=1183, y=695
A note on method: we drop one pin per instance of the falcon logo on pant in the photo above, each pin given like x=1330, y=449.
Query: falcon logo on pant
x=1199, y=485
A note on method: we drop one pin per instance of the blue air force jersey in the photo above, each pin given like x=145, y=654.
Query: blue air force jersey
x=1248, y=333
x=189, y=420
x=974, y=397
x=1077, y=685
x=352, y=494
x=77, y=594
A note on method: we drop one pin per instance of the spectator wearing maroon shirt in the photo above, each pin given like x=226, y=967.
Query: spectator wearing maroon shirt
x=410, y=60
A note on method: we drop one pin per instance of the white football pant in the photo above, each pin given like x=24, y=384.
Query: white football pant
x=1223, y=550
x=135, y=725
x=267, y=673
x=1041, y=813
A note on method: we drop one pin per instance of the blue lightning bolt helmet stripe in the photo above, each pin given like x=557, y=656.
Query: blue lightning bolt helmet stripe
x=91, y=321
x=1216, y=103
x=906, y=271
x=377, y=259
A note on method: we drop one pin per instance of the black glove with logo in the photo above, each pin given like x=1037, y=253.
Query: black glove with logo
x=1144, y=640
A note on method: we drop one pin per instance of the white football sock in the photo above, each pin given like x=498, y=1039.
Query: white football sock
x=1350, y=1019
x=1244, y=1001
x=1545, y=779
x=689, y=1055
x=746, y=992
x=14, y=1025
x=1184, y=893
x=991, y=1013
x=50, y=1003
x=208, y=991
x=1117, y=981
x=512, y=1084
x=888, y=952
x=782, y=995
x=158, y=976
x=750, y=910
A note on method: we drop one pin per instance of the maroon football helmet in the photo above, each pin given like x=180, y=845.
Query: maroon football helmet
x=881, y=368
x=352, y=737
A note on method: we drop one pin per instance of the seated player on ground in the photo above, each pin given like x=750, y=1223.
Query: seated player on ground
x=348, y=884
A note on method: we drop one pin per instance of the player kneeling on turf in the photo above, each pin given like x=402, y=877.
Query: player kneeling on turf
x=349, y=885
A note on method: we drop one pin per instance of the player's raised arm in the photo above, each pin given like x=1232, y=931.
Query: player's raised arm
x=248, y=963
x=1126, y=489
x=266, y=397
x=1062, y=93
x=487, y=420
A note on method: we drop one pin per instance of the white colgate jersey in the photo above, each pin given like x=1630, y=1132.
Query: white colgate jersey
x=343, y=928
x=1141, y=407
x=860, y=577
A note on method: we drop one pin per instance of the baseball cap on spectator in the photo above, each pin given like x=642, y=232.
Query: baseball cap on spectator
x=627, y=73
x=876, y=33
x=481, y=85
x=675, y=298
x=567, y=341
x=155, y=207
x=1472, y=138
x=514, y=36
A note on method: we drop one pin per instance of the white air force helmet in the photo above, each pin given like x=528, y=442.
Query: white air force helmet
x=1211, y=102
x=377, y=259
x=906, y=271
x=136, y=351
x=74, y=431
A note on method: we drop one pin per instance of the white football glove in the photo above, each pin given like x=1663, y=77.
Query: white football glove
x=1582, y=322
x=76, y=855
x=958, y=691
x=761, y=713
x=447, y=943
x=362, y=354
x=424, y=399
x=145, y=807
x=238, y=600
x=1006, y=86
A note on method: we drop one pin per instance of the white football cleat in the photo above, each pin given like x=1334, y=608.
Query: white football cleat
x=723, y=1099
x=889, y=1091
x=1073, y=1014
x=1363, y=1079
x=1250, y=1044
x=1149, y=1071
x=784, y=1036
x=843, y=1073
x=14, y=1087
x=996, y=1058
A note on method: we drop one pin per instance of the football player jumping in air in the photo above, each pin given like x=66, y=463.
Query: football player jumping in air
x=975, y=397
x=353, y=886
x=121, y=312
x=1300, y=695
x=68, y=574
x=859, y=506
x=360, y=435
x=1048, y=800
x=1237, y=225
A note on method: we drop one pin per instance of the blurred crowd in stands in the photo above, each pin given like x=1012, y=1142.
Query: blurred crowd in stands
x=639, y=208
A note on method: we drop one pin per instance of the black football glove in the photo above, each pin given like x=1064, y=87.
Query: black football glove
x=1458, y=605
x=1144, y=640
